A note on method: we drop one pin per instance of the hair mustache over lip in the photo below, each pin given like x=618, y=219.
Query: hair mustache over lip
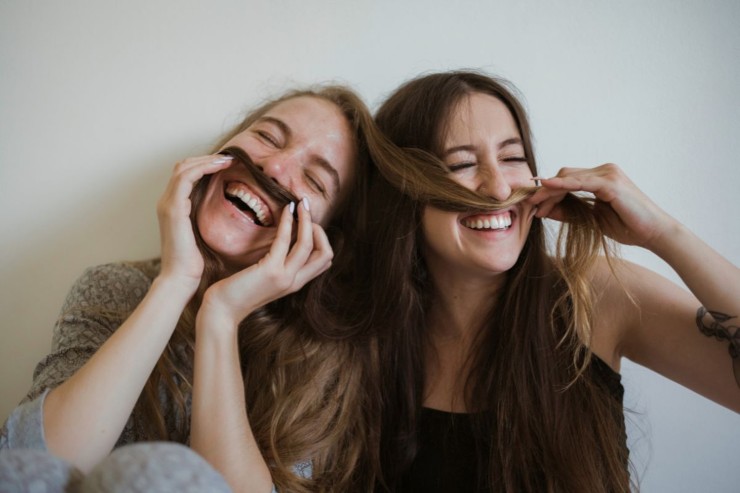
x=273, y=189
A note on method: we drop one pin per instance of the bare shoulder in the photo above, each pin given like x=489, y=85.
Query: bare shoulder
x=614, y=308
x=627, y=298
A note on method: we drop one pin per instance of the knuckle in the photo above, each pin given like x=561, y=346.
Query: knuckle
x=611, y=168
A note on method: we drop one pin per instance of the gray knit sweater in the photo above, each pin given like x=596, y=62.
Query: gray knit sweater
x=98, y=303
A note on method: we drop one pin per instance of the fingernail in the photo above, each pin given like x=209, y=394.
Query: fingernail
x=291, y=207
x=222, y=160
x=305, y=203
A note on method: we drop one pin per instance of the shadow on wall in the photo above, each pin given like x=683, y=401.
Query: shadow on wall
x=116, y=221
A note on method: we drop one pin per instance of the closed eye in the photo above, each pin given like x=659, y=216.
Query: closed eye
x=316, y=184
x=268, y=138
x=515, y=159
x=460, y=166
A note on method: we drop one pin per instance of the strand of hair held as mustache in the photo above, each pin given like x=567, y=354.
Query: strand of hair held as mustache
x=281, y=195
x=424, y=178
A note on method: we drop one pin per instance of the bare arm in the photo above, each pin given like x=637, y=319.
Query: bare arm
x=85, y=415
x=220, y=430
x=657, y=329
x=661, y=331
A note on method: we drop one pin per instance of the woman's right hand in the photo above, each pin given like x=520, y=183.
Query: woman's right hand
x=181, y=259
x=287, y=267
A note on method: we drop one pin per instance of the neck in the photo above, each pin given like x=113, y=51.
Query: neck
x=460, y=304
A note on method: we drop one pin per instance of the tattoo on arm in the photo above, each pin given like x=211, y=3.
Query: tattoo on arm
x=714, y=324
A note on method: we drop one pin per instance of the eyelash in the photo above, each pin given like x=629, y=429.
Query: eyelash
x=460, y=166
x=469, y=164
x=316, y=185
x=268, y=138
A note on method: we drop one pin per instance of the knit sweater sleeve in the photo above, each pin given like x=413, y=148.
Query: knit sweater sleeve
x=97, y=304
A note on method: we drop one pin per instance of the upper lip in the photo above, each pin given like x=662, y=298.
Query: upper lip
x=510, y=210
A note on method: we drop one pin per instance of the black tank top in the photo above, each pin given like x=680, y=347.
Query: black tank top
x=446, y=461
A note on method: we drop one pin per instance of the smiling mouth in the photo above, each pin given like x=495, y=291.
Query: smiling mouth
x=271, y=188
x=490, y=222
x=251, y=205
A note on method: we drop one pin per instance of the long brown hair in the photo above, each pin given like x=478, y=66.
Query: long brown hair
x=546, y=424
x=309, y=369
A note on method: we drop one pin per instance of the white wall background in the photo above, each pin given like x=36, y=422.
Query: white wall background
x=98, y=100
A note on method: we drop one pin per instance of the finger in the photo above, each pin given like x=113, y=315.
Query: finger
x=184, y=177
x=547, y=201
x=304, y=245
x=322, y=251
x=281, y=245
x=601, y=180
x=319, y=260
x=187, y=173
x=543, y=194
x=555, y=212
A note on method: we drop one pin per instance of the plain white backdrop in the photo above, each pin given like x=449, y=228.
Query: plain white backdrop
x=99, y=99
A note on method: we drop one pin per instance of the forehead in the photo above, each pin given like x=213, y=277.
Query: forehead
x=312, y=115
x=479, y=115
x=319, y=130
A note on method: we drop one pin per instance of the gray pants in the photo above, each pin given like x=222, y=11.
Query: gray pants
x=147, y=467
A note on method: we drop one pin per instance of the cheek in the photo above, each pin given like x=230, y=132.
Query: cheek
x=520, y=178
x=206, y=217
x=437, y=227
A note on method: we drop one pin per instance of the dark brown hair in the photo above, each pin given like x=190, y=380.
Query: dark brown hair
x=546, y=424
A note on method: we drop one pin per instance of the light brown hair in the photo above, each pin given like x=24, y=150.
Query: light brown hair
x=308, y=368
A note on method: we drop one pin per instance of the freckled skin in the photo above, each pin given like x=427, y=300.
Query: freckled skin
x=317, y=129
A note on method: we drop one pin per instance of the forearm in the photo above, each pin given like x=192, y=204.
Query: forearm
x=220, y=429
x=85, y=415
x=715, y=282
x=713, y=279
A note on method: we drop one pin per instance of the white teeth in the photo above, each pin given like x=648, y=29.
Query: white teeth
x=501, y=221
x=252, y=202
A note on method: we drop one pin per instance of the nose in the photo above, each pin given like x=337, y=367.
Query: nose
x=493, y=183
x=280, y=167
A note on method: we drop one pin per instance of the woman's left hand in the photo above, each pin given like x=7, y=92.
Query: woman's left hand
x=283, y=270
x=624, y=212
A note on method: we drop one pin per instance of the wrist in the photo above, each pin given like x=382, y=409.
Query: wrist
x=180, y=287
x=675, y=234
x=215, y=316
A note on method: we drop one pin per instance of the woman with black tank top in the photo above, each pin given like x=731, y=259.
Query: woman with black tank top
x=500, y=354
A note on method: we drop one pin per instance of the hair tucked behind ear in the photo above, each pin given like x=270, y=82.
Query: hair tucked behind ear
x=549, y=426
x=310, y=371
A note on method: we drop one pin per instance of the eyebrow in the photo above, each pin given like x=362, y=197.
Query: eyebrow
x=471, y=147
x=318, y=160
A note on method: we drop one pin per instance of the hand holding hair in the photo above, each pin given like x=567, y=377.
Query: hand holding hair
x=285, y=269
x=181, y=258
x=623, y=211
